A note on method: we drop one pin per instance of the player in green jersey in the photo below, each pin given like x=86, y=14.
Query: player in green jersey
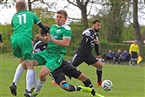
x=52, y=57
x=21, y=42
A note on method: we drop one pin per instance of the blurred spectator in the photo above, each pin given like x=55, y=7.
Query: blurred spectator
x=116, y=58
x=124, y=57
x=109, y=56
x=1, y=41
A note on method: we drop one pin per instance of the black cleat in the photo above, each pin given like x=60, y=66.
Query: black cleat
x=13, y=89
x=28, y=94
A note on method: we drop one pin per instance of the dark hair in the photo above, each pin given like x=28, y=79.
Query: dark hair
x=20, y=5
x=94, y=22
x=62, y=12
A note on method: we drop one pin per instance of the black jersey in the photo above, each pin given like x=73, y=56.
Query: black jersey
x=87, y=42
x=39, y=46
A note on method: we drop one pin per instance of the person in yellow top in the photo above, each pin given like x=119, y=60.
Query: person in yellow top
x=134, y=51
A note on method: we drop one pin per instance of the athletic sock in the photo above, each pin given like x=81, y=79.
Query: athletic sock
x=72, y=88
x=34, y=80
x=39, y=86
x=29, y=79
x=18, y=73
x=99, y=74
x=88, y=83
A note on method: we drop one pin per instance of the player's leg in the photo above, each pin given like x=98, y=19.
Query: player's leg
x=29, y=77
x=41, y=80
x=98, y=65
x=86, y=81
x=20, y=68
x=61, y=81
x=38, y=61
x=71, y=71
x=26, y=50
x=49, y=66
x=91, y=60
x=77, y=60
x=17, y=75
x=70, y=88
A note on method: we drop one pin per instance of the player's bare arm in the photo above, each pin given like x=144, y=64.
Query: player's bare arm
x=65, y=42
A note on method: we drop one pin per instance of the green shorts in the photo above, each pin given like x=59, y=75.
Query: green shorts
x=52, y=62
x=22, y=47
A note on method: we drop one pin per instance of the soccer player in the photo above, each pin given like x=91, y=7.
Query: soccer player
x=83, y=53
x=21, y=41
x=53, y=55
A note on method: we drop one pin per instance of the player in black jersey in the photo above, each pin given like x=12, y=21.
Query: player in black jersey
x=83, y=53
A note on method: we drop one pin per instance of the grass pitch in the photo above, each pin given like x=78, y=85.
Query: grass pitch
x=128, y=81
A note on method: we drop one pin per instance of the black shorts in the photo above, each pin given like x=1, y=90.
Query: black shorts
x=134, y=55
x=79, y=58
x=65, y=69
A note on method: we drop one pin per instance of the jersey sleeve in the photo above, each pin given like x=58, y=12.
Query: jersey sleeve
x=87, y=34
x=97, y=49
x=36, y=19
x=68, y=33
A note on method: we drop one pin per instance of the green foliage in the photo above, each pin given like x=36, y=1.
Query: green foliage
x=128, y=33
x=77, y=30
x=6, y=31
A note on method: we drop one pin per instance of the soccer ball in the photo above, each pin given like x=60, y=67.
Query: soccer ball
x=107, y=85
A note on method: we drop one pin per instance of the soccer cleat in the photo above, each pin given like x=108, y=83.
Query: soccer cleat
x=98, y=95
x=28, y=94
x=35, y=93
x=84, y=89
x=32, y=89
x=99, y=83
x=13, y=89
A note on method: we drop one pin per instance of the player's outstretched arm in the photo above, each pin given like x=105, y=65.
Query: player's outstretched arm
x=43, y=27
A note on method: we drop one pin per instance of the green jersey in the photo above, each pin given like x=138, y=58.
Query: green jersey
x=58, y=33
x=22, y=23
x=52, y=56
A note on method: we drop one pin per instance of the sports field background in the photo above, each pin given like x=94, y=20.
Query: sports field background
x=128, y=81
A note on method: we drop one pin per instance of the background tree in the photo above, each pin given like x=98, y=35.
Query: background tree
x=136, y=26
x=82, y=5
x=114, y=15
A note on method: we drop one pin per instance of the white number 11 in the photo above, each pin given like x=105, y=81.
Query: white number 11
x=22, y=18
